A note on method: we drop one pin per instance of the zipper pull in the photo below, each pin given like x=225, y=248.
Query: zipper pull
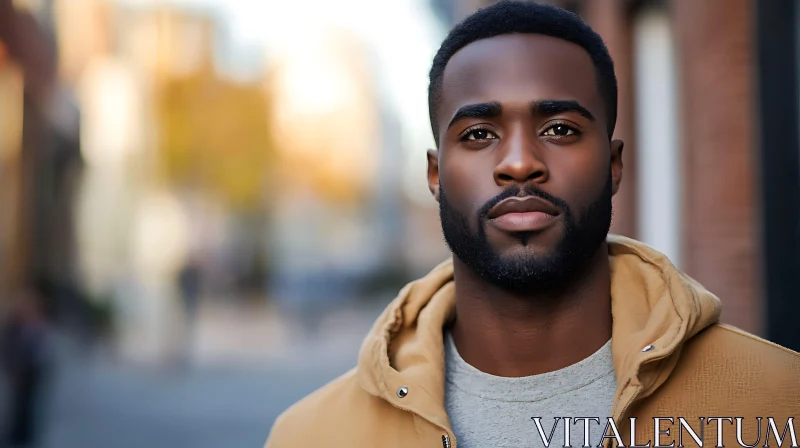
x=445, y=441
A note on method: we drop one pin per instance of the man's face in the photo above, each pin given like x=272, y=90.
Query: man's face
x=525, y=171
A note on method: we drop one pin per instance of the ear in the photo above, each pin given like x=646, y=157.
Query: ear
x=616, y=164
x=433, y=173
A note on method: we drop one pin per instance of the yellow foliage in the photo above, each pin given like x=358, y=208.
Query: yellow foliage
x=215, y=132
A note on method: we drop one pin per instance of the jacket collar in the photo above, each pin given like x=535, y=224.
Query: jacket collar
x=652, y=304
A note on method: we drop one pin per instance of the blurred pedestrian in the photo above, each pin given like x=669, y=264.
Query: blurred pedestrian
x=27, y=361
x=189, y=282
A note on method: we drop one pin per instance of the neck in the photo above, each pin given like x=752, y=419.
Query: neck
x=515, y=334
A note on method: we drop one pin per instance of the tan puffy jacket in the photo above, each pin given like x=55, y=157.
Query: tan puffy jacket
x=672, y=359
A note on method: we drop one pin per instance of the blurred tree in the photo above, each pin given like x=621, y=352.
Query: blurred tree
x=215, y=134
x=325, y=116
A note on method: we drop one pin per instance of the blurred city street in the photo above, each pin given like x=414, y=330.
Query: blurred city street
x=201, y=195
x=225, y=399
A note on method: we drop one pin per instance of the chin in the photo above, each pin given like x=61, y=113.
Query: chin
x=529, y=244
x=525, y=254
x=523, y=275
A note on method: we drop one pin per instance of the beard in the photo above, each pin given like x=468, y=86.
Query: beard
x=526, y=272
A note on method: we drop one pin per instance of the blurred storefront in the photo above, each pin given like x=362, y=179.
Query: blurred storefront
x=708, y=108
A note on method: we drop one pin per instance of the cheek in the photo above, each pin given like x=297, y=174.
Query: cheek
x=580, y=175
x=465, y=178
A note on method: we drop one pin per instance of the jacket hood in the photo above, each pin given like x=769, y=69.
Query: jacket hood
x=652, y=304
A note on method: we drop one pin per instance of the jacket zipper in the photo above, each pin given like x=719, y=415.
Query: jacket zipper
x=609, y=442
x=445, y=441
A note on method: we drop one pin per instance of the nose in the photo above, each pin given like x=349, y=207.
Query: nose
x=520, y=162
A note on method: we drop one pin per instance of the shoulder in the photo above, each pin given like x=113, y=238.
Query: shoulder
x=726, y=371
x=730, y=356
x=321, y=412
x=729, y=342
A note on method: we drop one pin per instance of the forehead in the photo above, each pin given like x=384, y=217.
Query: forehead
x=516, y=69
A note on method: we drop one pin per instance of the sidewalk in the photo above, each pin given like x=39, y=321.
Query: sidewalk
x=250, y=365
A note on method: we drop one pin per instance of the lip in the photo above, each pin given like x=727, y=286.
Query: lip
x=525, y=214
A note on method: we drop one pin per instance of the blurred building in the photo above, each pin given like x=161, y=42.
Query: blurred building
x=178, y=160
x=286, y=185
x=41, y=157
x=338, y=219
x=708, y=108
x=184, y=161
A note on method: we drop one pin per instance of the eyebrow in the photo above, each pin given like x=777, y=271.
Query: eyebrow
x=479, y=110
x=494, y=109
x=554, y=107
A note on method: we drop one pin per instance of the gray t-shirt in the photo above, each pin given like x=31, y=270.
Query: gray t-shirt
x=491, y=411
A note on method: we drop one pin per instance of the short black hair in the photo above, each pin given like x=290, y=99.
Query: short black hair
x=526, y=17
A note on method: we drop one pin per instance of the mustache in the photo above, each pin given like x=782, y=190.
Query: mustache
x=529, y=190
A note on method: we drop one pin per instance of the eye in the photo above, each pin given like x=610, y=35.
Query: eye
x=478, y=134
x=560, y=130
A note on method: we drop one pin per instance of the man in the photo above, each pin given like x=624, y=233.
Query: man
x=543, y=330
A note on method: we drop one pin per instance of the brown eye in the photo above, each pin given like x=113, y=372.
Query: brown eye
x=479, y=134
x=559, y=130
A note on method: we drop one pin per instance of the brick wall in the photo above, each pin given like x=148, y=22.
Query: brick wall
x=609, y=18
x=716, y=53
